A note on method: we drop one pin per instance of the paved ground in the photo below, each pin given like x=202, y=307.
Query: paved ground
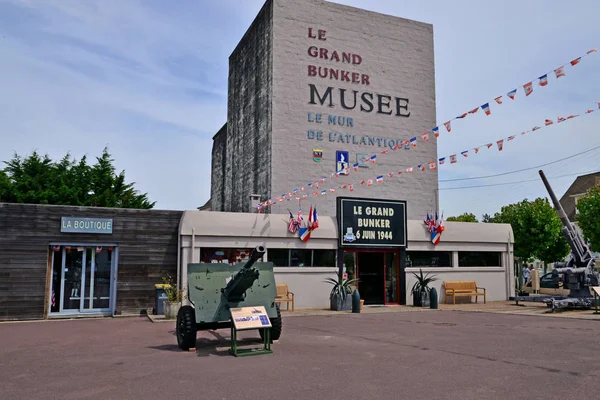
x=380, y=355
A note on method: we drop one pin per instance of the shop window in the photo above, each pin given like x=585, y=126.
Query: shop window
x=423, y=259
x=279, y=257
x=227, y=256
x=323, y=258
x=350, y=264
x=479, y=259
x=300, y=258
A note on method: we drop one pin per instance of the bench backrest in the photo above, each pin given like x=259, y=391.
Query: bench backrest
x=460, y=285
x=282, y=289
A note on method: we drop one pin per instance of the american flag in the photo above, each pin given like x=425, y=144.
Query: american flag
x=293, y=224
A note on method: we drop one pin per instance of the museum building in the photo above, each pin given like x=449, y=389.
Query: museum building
x=64, y=261
x=316, y=89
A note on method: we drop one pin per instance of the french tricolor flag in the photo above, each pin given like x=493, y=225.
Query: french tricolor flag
x=543, y=80
x=486, y=108
x=379, y=179
x=512, y=94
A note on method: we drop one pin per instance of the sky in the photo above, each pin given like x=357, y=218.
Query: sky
x=148, y=79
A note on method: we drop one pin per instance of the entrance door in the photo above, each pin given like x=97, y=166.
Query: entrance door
x=371, y=284
x=81, y=279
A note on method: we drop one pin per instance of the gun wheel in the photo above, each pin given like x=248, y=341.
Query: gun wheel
x=186, y=328
x=276, y=326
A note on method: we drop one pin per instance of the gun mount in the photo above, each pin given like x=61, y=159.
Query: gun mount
x=214, y=288
x=578, y=272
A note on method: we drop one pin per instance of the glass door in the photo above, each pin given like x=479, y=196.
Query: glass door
x=81, y=279
x=392, y=286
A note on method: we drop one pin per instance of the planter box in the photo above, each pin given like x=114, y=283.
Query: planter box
x=335, y=303
x=171, y=309
x=421, y=299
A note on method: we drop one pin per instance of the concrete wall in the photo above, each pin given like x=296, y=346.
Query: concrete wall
x=398, y=57
x=218, y=166
x=248, y=154
x=494, y=280
x=307, y=284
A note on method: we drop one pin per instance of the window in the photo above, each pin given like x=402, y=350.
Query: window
x=420, y=259
x=301, y=257
x=227, y=256
x=479, y=259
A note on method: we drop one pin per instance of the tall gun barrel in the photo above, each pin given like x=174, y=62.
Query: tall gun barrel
x=244, y=279
x=571, y=235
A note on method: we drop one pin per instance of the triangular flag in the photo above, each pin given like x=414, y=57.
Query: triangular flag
x=498, y=99
x=499, y=143
x=448, y=126
x=528, y=88
x=559, y=72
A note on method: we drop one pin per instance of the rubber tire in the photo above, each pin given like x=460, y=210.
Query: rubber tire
x=276, y=324
x=186, y=328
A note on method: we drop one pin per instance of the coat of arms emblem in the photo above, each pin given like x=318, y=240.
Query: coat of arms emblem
x=317, y=155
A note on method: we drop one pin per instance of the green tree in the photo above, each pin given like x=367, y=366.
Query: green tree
x=587, y=219
x=465, y=217
x=487, y=218
x=39, y=180
x=536, y=228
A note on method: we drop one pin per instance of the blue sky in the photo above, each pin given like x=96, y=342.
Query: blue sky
x=148, y=79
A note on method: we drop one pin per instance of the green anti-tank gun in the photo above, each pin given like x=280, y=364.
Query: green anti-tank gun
x=214, y=288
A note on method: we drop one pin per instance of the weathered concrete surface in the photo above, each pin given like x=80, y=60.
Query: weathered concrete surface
x=437, y=354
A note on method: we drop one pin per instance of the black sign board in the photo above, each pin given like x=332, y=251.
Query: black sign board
x=371, y=223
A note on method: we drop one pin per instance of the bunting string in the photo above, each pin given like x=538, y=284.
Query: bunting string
x=300, y=193
x=453, y=158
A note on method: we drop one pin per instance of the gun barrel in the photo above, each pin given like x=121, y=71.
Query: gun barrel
x=561, y=212
x=257, y=253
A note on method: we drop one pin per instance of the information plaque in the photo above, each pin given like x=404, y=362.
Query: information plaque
x=250, y=318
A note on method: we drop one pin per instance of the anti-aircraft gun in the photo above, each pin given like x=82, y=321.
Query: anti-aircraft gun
x=578, y=272
x=214, y=288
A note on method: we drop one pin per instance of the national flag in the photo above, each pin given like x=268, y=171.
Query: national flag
x=561, y=119
x=427, y=223
x=448, y=126
x=489, y=145
x=432, y=165
x=421, y=167
x=441, y=160
x=397, y=146
x=373, y=158
x=589, y=111
x=391, y=174
x=486, y=108
x=425, y=137
x=508, y=139
x=323, y=192
x=304, y=234
x=498, y=99
x=465, y=153
x=560, y=71
x=385, y=151
x=548, y=122
x=409, y=169
x=355, y=167
x=436, y=131
x=476, y=150
x=304, y=196
x=369, y=182
x=379, y=179
x=352, y=188
x=512, y=94
x=535, y=128
x=399, y=172
x=363, y=182
x=293, y=224
x=500, y=143
x=315, y=221
x=572, y=116
x=528, y=88
x=543, y=80
x=453, y=159
x=592, y=51
x=413, y=141
x=575, y=61
x=462, y=116
x=323, y=179
x=332, y=190
x=473, y=111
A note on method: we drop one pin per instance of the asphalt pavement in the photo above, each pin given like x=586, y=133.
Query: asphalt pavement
x=416, y=355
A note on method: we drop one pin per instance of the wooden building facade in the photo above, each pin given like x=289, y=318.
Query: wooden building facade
x=70, y=261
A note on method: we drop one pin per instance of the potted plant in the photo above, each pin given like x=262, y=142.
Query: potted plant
x=421, y=290
x=174, y=297
x=340, y=297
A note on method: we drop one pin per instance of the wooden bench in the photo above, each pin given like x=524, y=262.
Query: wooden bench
x=462, y=288
x=284, y=295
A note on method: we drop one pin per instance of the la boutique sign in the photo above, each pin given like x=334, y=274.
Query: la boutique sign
x=86, y=225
